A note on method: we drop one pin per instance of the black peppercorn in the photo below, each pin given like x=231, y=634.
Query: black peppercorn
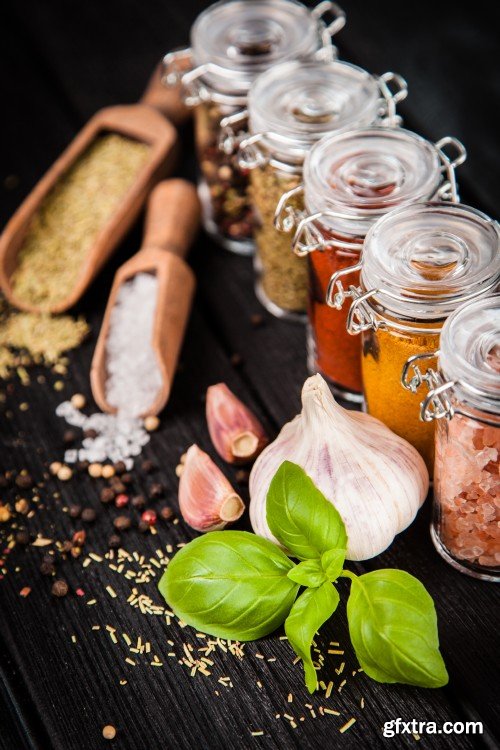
x=122, y=523
x=75, y=510
x=107, y=495
x=114, y=541
x=143, y=527
x=139, y=501
x=88, y=515
x=60, y=588
x=156, y=490
x=120, y=467
x=242, y=476
x=118, y=486
x=24, y=481
x=69, y=437
x=166, y=513
x=127, y=478
x=148, y=466
x=47, y=568
x=23, y=538
x=90, y=433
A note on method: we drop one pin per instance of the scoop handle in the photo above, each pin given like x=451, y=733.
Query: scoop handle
x=172, y=217
x=168, y=101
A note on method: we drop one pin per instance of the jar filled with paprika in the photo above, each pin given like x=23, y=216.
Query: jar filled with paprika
x=464, y=402
x=290, y=107
x=419, y=264
x=232, y=42
x=350, y=181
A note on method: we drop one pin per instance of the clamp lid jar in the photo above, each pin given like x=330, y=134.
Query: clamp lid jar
x=464, y=398
x=419, y=264
x=232, y=42
x=290, y=107
x=351, y=180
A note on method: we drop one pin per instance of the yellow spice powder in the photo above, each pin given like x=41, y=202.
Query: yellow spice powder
x=384, y=355
x=71, y=216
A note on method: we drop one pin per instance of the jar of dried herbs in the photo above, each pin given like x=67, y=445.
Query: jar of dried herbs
x=232, y=42
x=464, y=399
x=350, y=180
x=290, y=107
x=419, y=264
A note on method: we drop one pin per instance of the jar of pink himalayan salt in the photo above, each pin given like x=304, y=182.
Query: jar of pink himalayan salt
x=464, y=399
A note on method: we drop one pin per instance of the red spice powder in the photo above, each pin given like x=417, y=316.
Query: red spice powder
x=338, y=355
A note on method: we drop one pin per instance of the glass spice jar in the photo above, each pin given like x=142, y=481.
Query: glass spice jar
x=350, y=181
x=464, y=402
x=419, y=263
x=232, y=42
x=290, y=107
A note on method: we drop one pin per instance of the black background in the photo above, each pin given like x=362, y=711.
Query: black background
x=59, y=63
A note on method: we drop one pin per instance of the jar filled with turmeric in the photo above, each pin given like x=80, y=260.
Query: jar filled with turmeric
x=464, y=401
x=350, y=181
x=290, y=107
x=419, y=264
x=232, y=42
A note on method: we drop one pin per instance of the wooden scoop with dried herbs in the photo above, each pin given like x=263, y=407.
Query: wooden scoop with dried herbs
x=233, y=584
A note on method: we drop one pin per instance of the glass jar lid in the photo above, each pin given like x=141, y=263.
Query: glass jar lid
x=299, y=102
x=240, y=39
x=424, y=260
x=354, y=178
x=469, y=351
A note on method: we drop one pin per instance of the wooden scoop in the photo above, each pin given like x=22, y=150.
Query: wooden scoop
x=141, y=122
x=172, y=220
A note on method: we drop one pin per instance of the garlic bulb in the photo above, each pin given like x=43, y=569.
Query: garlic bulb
x=206, y=499
x=376, y=480
x=236, y=433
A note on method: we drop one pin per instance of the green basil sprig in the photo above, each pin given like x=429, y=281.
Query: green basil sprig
x=233, y=584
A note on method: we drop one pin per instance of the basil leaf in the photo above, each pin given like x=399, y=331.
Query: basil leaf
x=300, y=516
x=308, y=573
x=393, y=628
x=231, y=584
x=310, y=611
x=332, y=563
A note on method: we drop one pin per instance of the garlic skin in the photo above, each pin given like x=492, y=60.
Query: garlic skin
x=236, y=433
x=206, y=499
x=376, y=480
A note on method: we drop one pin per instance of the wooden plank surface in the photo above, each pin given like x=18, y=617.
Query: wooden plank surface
x=74, y=688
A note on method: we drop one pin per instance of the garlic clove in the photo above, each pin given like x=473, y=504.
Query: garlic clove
x=236, y=433
x=376, y=480
x=206, y=499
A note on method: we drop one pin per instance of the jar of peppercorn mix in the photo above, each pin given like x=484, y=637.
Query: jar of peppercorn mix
x=290, y=107
x=350, y=180
x=419, y=264
x=232, y=42
x=464, y=401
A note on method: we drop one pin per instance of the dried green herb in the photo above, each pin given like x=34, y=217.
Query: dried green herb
x=71, y=216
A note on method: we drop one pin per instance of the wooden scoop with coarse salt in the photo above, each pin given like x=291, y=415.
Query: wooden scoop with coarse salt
x=171, y=223
x=143, y=122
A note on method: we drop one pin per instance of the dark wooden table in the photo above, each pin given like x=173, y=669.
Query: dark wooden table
x=61, y=677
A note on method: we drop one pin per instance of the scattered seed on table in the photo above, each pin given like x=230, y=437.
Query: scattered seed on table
x=54, y=467
x=108, y=470
x=148, y=466
x=60, y=588
x=47, y=568
x=26, y=591
x=121, y=500
x=69, y=437
x=149, y=517
x=22, y=538
x=122, y=523
x=78, y=401
x=22, y=506
x=24, y=481
x=156, y=490
x=120, y=467
x=64, y=474
x=114, y=541
x=89, y=515
x=347, y=725
x=127, y=478
x=138, y=501
x=107, y=495
x=95, y=470
x=75, y=511
x=109, y=732
x=166, y=512
x=151, y=423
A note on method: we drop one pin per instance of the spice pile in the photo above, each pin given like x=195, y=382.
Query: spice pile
x=27, y=339
x=71, y=216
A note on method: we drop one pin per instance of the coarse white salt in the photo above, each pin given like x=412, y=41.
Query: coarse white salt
x=134, y=379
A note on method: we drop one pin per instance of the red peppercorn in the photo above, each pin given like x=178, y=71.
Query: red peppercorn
x=121, y=501
x=149, y=517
